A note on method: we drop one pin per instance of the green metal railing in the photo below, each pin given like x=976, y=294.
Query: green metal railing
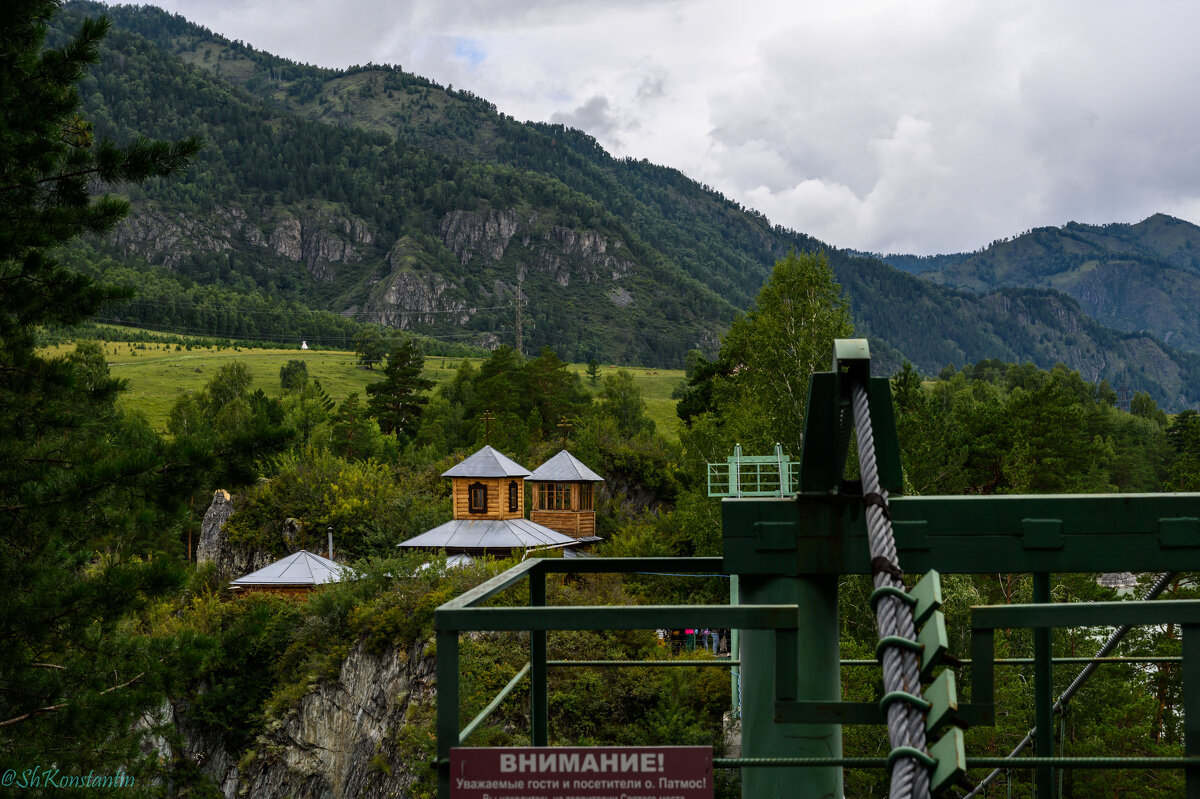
x=1045, y=617
x=467, y=613
x=753, y=475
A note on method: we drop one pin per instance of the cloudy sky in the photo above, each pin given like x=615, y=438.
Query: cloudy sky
x=890, y=126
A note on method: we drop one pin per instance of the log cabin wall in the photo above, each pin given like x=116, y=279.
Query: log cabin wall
x=573, y=522
x=577, y=524
x=499, y=493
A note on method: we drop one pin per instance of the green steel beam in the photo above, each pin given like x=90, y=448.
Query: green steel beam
x=983, y=684
x=723, y=662
x=527, y=568
x=776, y=667
x=1051, y=533
x=539, y=691
x=447, y=705
x=490, y=588
x=1191, y=706
x=1086, y=614
x=1056, y=661
x=495, y=703
x=985, y=620
x=1018, y=763
x=1043, y=692
x=628, y=565
x=812, y=712
x=637, y=617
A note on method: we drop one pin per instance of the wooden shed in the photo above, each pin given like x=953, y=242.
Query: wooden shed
x=564, y=496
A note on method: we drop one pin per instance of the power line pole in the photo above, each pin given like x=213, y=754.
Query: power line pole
x=1123, y=398
x=520, y=327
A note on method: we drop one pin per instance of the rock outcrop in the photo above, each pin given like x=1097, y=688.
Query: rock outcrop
x=320, y=240
x=214, y=546
x=469, y=234
x=408, y=298
x=337, y=743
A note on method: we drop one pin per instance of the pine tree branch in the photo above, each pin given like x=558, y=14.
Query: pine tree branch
x=61, y=705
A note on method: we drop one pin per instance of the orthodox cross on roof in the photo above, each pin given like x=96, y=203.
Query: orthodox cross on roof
x=487, y=418
x=565, y=426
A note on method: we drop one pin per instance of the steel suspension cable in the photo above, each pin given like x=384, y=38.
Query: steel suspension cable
x=1160, y=585
x=901, y=667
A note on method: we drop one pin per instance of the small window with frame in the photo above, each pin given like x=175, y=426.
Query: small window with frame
x=477, y=498
x=513, y=496
x=561, y=499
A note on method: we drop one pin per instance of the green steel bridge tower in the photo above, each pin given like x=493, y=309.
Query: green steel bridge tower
x=791, y=529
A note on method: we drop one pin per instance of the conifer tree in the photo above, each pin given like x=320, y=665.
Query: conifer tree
x=397, y=400
x=91, y=497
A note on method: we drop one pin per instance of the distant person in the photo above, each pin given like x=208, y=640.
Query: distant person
x=303, y=345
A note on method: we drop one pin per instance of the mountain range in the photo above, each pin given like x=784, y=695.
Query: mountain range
x=1139, y=277
x=380, y=196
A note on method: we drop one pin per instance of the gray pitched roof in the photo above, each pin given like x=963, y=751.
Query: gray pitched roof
x=299, y=568
x=1118, y=580
x=487, y=462
x=491, y=534
x=565, y=468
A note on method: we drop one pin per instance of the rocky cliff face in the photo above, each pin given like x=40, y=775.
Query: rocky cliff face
x=320, y=240
x=408, y=298
x=166, y=239
x=560, y=252
x=337, y=743
x=470, y=235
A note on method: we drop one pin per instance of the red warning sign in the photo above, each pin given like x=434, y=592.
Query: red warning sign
x=601, y=772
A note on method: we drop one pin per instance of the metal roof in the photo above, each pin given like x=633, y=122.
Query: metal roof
x=1118, y=580
x=299, y=568
x=459, y=561
x=565, y=468
x=487, y=462
x=489, y=534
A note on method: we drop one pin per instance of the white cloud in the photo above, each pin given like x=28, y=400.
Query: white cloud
x=926, y=125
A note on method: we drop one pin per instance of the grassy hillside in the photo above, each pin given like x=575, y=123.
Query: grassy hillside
x=157, y=374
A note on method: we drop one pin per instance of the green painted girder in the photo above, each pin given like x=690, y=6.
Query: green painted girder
x=976, y=534
x=827, y=426
x=636, y=617
x=1086, y=614
x=542, y=566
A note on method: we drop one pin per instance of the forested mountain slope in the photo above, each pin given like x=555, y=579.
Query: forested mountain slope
x=1144, y=276
x=383, y=197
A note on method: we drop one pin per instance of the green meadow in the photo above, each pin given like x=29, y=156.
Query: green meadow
x=157, y=374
